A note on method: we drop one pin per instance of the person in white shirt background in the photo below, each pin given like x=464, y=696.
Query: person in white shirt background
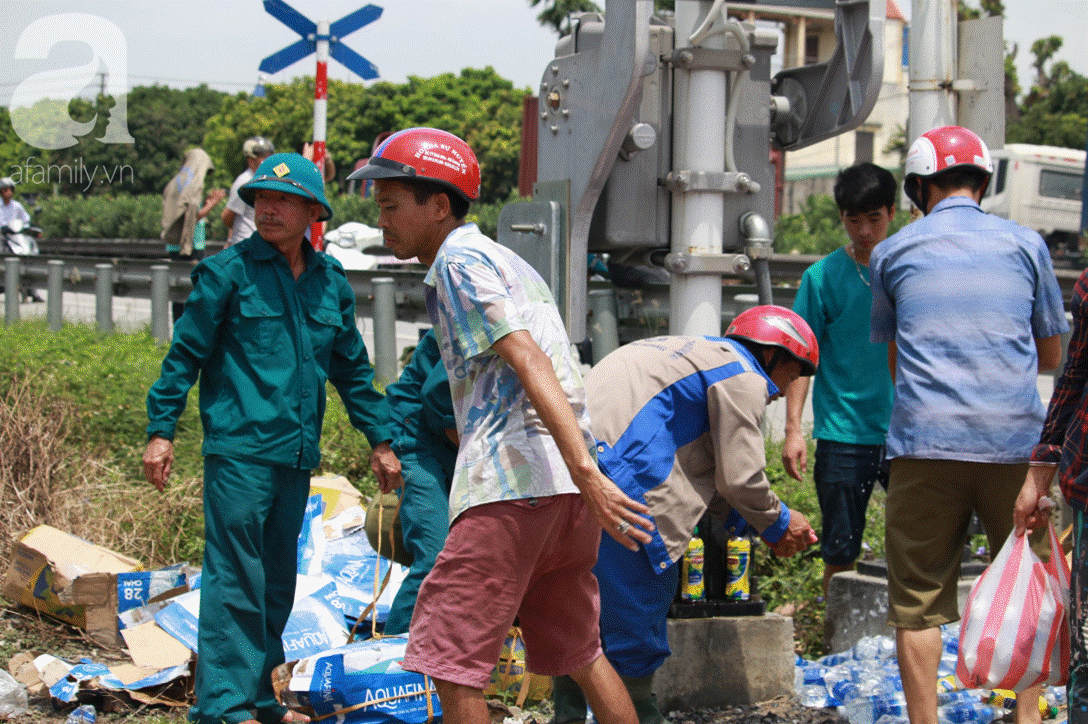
x=237, y=216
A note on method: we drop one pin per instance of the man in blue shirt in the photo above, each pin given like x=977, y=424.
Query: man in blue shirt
x=972, y=312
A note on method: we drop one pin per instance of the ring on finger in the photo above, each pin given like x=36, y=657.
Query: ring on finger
x=623, y=527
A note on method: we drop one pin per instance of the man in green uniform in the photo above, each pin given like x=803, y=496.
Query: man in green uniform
x=268, y=322
x=425, y=441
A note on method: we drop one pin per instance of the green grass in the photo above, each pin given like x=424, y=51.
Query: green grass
x=103, y=381
x=797, y=582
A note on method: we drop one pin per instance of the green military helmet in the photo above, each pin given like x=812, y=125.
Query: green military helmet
x=288, y=173
x=385, y=535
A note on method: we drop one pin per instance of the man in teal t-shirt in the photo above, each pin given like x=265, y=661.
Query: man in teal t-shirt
x=852, y=394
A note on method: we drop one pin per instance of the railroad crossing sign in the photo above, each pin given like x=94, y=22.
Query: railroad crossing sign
x=323, y=39
x=308, y=29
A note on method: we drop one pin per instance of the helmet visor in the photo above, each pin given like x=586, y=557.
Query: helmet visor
x=378, y=167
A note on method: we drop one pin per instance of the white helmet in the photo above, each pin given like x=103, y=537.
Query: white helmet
x=7, y=183
x=257, y=147
x=941, y=149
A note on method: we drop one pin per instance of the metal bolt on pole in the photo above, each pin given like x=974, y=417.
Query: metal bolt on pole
x=13, y=293
x=385, y=331
x=54, y=295
x=160, y=302
x=103, y=297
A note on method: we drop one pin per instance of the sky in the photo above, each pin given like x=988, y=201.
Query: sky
x=221, y=43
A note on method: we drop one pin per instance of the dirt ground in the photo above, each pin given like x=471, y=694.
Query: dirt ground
x=22, y=631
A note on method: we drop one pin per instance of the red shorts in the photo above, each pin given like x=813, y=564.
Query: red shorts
x=529, y=558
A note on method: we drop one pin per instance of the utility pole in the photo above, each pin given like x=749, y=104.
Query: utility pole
x=957, y=72
x=932, y=66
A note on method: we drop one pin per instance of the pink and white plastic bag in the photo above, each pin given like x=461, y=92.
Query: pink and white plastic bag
x=1015, y=630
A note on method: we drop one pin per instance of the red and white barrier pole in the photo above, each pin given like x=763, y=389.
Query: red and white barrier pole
x=321, y=107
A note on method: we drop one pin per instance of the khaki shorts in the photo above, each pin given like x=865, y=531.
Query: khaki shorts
x=927, y=514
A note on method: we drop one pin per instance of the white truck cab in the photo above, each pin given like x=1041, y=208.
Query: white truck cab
x=1040, y=187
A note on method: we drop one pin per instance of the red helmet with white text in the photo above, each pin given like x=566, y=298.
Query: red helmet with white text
x=941, y=149
x=427, y=154
x=775, y=326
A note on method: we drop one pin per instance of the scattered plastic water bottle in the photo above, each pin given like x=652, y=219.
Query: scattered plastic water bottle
x=866, y=648
x=815, y=696
x=13, y=701
x=891, y=668
x=870, y=648
x=885, y=647
x=835, y=659
x=948, y=697
x=868, y=709
x=843, y=690
x=876, y=677
x=947, y=664
x=83, y=714
x=1056, y=696
x=967, y=710
x=950, y=638
x=806, y=675
x=892, y=719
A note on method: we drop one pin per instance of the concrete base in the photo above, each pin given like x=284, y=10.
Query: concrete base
x=726, y=660
x=857, y=606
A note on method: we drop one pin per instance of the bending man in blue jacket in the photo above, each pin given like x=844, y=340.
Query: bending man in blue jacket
x=678, y=423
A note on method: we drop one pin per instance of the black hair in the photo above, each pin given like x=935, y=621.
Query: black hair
x=864, y=187
x=424, y=189
x=960, y=177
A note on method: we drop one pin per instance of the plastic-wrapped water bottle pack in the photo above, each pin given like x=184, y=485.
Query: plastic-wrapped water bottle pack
x=864, y=684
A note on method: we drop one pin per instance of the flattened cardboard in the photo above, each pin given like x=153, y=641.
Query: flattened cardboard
x=68, y=578
x=337, y=493
x=151, y=648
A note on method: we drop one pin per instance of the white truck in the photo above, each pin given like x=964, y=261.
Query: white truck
x=1040, y=187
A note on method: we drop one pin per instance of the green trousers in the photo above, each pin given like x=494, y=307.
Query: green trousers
x=252, y=517
x=425, y=523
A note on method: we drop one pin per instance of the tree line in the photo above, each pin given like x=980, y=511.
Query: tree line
x=478, y=105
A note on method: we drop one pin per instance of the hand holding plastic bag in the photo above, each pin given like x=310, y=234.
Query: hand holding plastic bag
x=1015, y=629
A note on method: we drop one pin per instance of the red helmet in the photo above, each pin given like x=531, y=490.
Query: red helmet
x=427, y=154
x=779, y=327
x=943, y=148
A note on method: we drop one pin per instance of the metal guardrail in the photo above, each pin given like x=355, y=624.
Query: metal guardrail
x=616, y=315
x=111, y=248
x=646, y=307
x=785, y=268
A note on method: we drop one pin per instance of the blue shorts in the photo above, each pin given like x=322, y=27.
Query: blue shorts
x=844, y=475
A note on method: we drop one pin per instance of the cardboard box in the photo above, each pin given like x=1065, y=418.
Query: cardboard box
x=70, y=579
x=337, y=493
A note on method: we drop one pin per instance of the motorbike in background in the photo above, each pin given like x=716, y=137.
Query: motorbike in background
x=22, y=241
